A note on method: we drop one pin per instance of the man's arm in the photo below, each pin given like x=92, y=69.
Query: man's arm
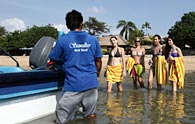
x=98, y=62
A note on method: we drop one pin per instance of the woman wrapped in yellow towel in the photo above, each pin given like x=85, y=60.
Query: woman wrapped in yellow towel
x=157, y=65
x=115, y=70
x=174, y=57
x=135, y=64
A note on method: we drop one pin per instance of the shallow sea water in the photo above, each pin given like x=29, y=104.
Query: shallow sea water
x=140, y=106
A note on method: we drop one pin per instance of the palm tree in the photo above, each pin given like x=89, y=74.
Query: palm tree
x=146, y=25
x=127, y=28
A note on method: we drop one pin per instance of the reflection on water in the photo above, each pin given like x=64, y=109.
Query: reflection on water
x=140, y=106
x=114, y=107
x=147, y=107
x=143, y=107
x=166, y=107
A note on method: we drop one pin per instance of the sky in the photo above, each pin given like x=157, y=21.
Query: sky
x=161, y=14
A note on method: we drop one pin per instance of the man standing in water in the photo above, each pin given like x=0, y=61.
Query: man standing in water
x=81, y=57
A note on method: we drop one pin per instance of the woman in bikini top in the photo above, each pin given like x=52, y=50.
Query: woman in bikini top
x=116, y=60
x=174, y=54
x=138, y=52
x=172, y=50
x=158, y=50
x=159, y=53
x=117, y=54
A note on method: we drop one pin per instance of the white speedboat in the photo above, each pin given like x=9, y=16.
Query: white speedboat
x=30, y=94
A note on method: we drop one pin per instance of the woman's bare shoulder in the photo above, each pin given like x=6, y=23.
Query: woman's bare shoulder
x=163, y=45
x=177, y=48
x=142, y=48
x=121, y=48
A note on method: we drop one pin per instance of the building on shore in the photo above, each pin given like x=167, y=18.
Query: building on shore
x=106, y=45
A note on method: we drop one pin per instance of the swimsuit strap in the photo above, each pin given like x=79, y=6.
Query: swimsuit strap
x=117, y=54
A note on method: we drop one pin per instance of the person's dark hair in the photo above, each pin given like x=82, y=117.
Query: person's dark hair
x=156, y=35
x=73, y=19
x=113, y=37
x=159, y=37
x=167, y=48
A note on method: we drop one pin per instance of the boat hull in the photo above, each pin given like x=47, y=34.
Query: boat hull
x=27, y=108
x=29, y=82
x=28, y=95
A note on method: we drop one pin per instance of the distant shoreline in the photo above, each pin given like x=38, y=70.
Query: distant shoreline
x=189, y=61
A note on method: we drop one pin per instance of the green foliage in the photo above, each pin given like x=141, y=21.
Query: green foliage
x=147, y=42
x=32, y=35
x=149, y=51
x=95, y=27
x=104, y=51
x=27, y=38
x=2, y=31
x=183, y=32
x=135, y=33
x=127, y=28
x=3, y=42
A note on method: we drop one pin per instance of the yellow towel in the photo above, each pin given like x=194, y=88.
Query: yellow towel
x=114, y=73
x=177, y=71
x=129, y=64
x=161, y=70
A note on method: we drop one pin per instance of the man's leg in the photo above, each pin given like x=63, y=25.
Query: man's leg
x=67, y=107
x=90, y=102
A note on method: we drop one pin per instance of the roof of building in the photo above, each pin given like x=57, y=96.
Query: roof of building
x=105, y=40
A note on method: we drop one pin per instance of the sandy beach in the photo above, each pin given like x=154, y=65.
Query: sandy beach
x=24, y=61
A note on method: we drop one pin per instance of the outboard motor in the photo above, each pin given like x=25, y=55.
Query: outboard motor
x=39, y=55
